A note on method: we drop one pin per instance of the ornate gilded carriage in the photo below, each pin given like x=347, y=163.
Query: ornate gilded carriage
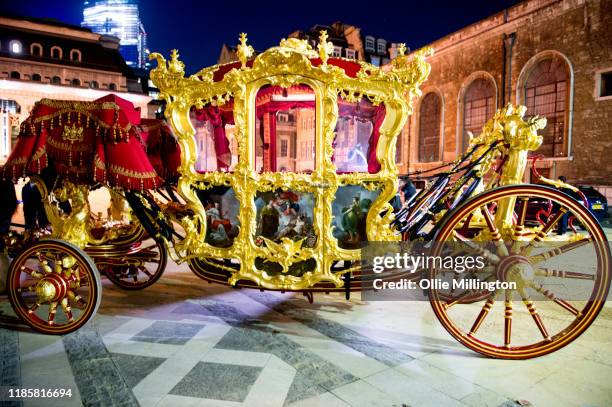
x=287, y=171
x=332, y=86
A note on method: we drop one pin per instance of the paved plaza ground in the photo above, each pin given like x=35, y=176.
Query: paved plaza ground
x=186, y=342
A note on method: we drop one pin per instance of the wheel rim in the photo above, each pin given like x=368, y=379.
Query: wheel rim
x=142, y=266
x=54, y=287
x=525, y=328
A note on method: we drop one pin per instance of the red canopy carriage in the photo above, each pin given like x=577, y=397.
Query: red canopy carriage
x=85, y=142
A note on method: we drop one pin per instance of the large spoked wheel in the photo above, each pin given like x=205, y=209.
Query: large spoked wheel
x=142, y=266
x=54, y=287
x=561, y=280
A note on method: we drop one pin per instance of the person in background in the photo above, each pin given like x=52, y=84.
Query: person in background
x=8, y=205
x=562, y=224
x=33, y=208
x=408, y=190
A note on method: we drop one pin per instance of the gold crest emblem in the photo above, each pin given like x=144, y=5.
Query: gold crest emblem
x=72, y=133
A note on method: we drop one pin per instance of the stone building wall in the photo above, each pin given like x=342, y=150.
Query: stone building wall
x=575, y=31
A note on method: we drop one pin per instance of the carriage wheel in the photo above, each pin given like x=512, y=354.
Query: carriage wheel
x=562, y=280
x=144, y=266
x=54, y=287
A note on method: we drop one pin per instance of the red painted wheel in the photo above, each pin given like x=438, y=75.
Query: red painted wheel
x=54, y=287
x=562, y=281
x=136, y=268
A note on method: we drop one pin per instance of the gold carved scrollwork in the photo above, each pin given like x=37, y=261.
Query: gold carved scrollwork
x=290, y=63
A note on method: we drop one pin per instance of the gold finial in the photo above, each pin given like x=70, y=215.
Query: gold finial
x=175, y=65
x=244, y=51
x=401, y=49
x=325, y=48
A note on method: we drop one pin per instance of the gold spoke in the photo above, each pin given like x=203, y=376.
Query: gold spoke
x=486, y=308
x=67, y=310
x=495, y=235
x=508, y=319
x=559, y=250
x=52, y=311
x=550, y=295
x=520, y=225
x=487, y=254
x=541, y=234
x=33, y=308
x=546, y=272
x=534, y=314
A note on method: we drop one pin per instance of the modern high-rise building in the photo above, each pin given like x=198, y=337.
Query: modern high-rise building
x=119, y=18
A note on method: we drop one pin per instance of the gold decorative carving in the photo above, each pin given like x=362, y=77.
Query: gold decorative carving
x=290, y=63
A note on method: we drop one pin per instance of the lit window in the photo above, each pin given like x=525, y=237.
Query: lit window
x=16, y=47
x=478, y=107
x=376, y=61
x=429, y=128
x=546, y=94
x=369, y=44
x=350, y=53
x=36, y=50
x=284, y=148
x=381, y=46
x=337, y=53
x=75, y=55
x=604, y=84
x=56, y=52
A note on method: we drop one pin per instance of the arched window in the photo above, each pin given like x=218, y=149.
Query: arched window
x=36, y=50
x=36, y=77
x=430, y=113
x=15, y=47
x=112, y=86
x=56, y=52
x=56, y=80
x=75, y=82
x=546, y=94
x=15, y=75
x=94, y=85
x=75, y=55
x=478, y=107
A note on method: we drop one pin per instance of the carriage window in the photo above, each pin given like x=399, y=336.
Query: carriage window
x=216, y=144
x=357, y=134
x=285, y=129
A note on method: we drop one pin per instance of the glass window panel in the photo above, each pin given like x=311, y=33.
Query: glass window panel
x=285, y=128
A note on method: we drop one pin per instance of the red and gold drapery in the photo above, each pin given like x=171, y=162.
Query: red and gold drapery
x=163, y=149
x=84, y=142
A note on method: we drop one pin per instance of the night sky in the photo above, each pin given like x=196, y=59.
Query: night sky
x=198, y=29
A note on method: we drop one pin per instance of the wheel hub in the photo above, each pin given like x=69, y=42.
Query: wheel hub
x=51, y=288
x=515, y=269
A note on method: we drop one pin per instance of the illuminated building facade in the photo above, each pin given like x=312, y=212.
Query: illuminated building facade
x=42, y=59
x=119, y=18
x=551, y=56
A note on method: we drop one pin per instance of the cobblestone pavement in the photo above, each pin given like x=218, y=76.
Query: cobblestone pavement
x=186, y=342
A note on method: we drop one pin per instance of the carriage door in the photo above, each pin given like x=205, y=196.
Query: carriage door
x=286, y=199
